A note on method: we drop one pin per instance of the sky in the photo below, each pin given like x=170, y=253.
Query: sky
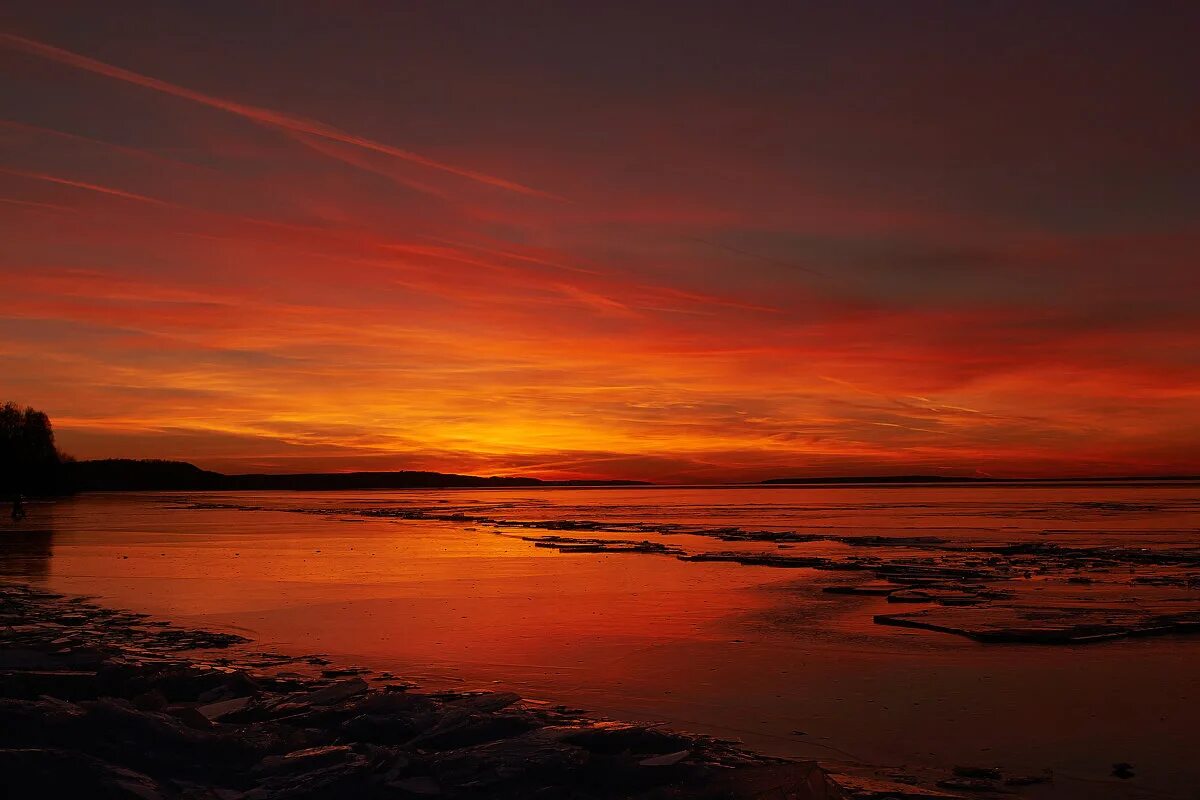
x=672, y=241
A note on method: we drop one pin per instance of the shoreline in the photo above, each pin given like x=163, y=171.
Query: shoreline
x=124, y=706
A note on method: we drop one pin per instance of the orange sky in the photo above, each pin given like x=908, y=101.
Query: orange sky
x=723, y=247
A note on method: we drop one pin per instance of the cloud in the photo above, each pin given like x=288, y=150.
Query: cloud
x=91, y=187
x=265, y=116
x=758, y=273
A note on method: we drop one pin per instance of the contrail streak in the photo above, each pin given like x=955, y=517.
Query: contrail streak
x=91, y=187
x=264, y=116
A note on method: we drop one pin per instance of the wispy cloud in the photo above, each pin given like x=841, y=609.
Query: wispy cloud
x=265, y=116
x=91, y=187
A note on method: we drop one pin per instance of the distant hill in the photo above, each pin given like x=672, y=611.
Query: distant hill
x=122, y=474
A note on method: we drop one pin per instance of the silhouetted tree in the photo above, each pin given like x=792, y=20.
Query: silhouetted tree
x=29, y=461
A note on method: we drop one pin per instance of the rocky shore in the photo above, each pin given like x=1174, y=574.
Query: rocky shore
x=109, y=704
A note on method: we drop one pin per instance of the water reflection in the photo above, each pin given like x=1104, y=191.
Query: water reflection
x=725, y=649
x=27, y=546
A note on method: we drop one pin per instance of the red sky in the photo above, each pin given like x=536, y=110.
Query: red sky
x=673, y=241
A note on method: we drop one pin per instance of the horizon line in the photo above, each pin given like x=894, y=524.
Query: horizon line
x=790, y=480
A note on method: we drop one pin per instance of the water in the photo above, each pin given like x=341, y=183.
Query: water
x=416, y=583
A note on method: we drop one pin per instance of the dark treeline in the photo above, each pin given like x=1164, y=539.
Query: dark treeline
x=30, y=463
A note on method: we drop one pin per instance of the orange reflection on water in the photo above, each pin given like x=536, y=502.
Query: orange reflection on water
x=749, y=652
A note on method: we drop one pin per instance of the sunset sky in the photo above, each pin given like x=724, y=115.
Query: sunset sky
x=682, y=241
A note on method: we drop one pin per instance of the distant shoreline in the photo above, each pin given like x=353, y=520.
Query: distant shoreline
x=947, y=479
x=120, y=475
x=124, y=475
